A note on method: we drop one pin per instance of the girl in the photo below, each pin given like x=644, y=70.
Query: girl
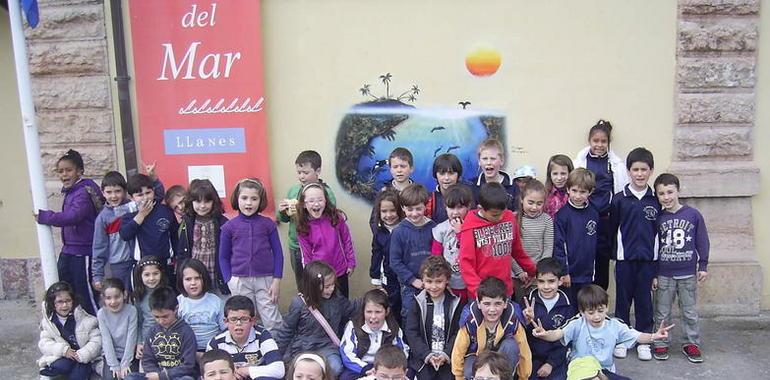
x=149, y=275
x=390, y=214
x=175, y=200
x=323, y=235
x=373, y=327
x=69, y=337
x=199, y=231
x=118, y=326
x=447, y=170
x=611, y=176
x=250, y=253
x=458, y=200
x=200, y=308
x=559, y=167
x=308, y=366
x=536, y=232
x=82, y=202
x=316, y=317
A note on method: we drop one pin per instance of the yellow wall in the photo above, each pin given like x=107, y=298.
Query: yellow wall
x=564, y=65
x=761, y=202
x=17, y=227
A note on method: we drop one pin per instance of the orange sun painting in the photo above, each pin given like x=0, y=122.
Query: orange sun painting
x=483, y=62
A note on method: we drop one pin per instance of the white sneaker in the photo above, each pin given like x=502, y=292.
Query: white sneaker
x=644, y=352
x=620, y=351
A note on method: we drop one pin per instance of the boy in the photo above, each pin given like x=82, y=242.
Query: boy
x=492, y=365
x=593, y=333
x=217, y=365
x=491, y=160
x=682, y=265
x=410, y=243
x=457, y=201
x=401, y=168
x=434, y=321
x=489, y=236
x=632, y=226
x=308, y=164
x=390, y=364
x=169, y=352
x=575, y=233
x=551, y=306
x=447, y=170
x=251, y=346
x=491, y=323
x=153, y=225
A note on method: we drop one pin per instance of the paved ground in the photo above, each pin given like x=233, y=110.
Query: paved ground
x=734, y=348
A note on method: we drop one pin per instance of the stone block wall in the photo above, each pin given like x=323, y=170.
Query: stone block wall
x=713, y=144
x=69, y=64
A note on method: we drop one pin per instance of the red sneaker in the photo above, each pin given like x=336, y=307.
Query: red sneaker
x=660, y=353
x=692, y=352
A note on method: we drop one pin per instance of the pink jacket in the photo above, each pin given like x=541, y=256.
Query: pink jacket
x=330, y=244
x=554, y=200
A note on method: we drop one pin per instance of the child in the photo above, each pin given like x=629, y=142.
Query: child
x=489, y=237
x=491, y=323
x=309, y=366
x=217, y=365
x=492, y=365
x=574, y=242
x=522, y=175
x=401, y=164
x=175, y=200
x=390, y=363
x=153, y=225
x=250, y=253
x=433, y=323
x=251, y=346
x=593, y=333
x=69, y=337
x=308, y=164
x=199, y=231
x=610, y=177
x=632, y=223
x=201, y=309
x=324, y=235
x=447, y=170
x=457, y=202
x=536, y=232
x=170, y=344
x=82, y=202
x=559, y=167
x=410, y=243
x=372, y=328
x=149, y=275
x=491, y=160
x=118, y=326
x=682, y=265
x=390, y=214
x=316, y=317
x=550, y=306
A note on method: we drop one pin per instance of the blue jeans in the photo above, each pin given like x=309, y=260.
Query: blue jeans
x=68, y=368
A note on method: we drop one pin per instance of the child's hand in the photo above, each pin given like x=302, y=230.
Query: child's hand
x=145, y=208
x=139, y=351
x=702, y=275
x=152, y=376
x=456, y=224
x=71, y=354
x=350, y=271
x=242, y=373
x=36, y=215
x=436, y=361
x=370, y=372
x=150, y=170
x=529, y=311
x=662, y=332
x=545, y=370
x=274, y=290
x=655, y=284
x=566, y=281
x=417, y=283
x=123, y=373
x=538, y=331
x=97, y=285
x=524, y=278
x=283, y=206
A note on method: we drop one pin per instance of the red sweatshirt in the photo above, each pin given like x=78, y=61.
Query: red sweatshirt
x=486, y=248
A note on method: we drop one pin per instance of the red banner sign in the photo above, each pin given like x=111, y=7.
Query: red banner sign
x=199, y=90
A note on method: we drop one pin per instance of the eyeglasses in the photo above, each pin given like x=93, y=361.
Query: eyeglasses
x=235, y=320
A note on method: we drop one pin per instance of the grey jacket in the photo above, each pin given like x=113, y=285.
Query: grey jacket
x=301, y=332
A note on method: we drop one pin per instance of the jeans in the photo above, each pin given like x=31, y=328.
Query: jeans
x=686, y=290
x=68, y=368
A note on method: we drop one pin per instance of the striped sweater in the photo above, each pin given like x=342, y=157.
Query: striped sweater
x=536, y=238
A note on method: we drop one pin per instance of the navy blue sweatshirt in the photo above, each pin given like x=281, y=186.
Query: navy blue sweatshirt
x=156, y=235
x=170, y=352
x=508, y=184
x=380, y=255
x=602, y=195
x=632, y=225
x=553, y=353
x=574, y=241
x=409, y=247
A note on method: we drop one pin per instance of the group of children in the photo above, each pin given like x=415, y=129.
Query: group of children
x=507, y=276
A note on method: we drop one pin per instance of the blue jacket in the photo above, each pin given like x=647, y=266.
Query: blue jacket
x=553, y=353
x=574, y=241
x=510, y=187
x=380, y=255
x=82, y=203
x=409, y=247
x=157, y=234
x=632, y=224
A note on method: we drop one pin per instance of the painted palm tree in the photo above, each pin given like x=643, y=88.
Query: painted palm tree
x=409, y=94
x=366, y=91
x=386, y=81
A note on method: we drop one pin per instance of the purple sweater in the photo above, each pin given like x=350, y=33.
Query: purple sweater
x=684, y=242
x=329, y=244
x=76, y=217
x=249, y=246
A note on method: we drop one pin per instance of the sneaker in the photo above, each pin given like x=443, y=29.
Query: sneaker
x=643, y=351
x=660, y=353
x=692, y=352
x=620, y=351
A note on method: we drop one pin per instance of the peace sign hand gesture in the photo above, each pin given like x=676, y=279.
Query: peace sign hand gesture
x=662, y=332
x=529, y=310
x=538, y=331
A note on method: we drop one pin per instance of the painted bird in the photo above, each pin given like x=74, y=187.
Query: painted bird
x=464, y=103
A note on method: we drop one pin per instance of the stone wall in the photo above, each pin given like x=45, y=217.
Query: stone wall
x=713, y=144
x=68, y=61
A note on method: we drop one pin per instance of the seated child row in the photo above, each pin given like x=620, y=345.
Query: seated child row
x=445, y=335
